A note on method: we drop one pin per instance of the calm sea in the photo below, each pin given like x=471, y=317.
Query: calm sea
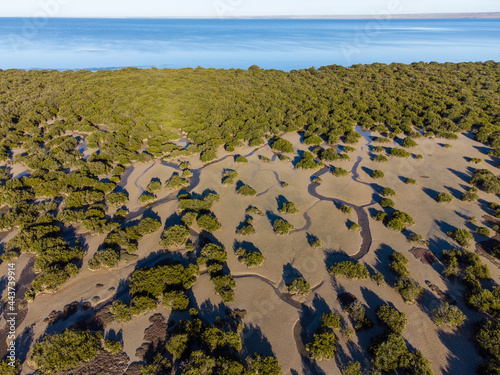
x=236, y=43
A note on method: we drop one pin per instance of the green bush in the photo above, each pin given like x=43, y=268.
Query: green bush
x=241, y=159
x=251, y=259
x=461, y=236
x=282, y=227
x=410, y=181
x=142, y=304
x=176, y=182
x=340, y=172
x=377, y=174
x=380, y=216
x=288, y=208
x=444, y=198
x=470, y=195
x=409, y=289
x=61, y=352
x=399, y=152
x=378, y=278
x=112, y=346
x=174, y=236
x=355, y=227
x=208, y=222
x=175, y=300
x=282, y=145
x=323, y=345
x=398, y=264
x=147, y=197
x=246, y=191
x=307, y=162
x=389, y=353
x=346, y=209
x=399, y=221
x=253, y=210
x=394, y=320
x=381, y=159
x=488, y=338
x=350, y=269
x=448, y=315
x=486, y=180
x=409, y=142
x=475, y=160
x=154, y=185
x=229, y=177
x=386, y=202
x=483, y=231
x=388, y=192
x=299, y=286
x=120, y=311
x=312, y=140
x=352, y=368
x=357, y=313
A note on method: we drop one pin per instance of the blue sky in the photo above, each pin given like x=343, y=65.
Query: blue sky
x=220, y=8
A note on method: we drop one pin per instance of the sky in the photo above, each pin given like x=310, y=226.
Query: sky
x=235, y=8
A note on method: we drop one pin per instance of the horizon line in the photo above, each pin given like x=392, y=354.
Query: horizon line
x=462, y=15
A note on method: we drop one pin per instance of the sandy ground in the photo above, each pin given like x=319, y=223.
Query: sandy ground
x=270, y=321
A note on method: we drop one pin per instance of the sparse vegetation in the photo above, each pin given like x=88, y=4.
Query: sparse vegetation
x=449, y=315
x=299, y=286
x=377, y=174
x=444, y=198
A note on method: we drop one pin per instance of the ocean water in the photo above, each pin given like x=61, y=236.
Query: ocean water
x=239, y=43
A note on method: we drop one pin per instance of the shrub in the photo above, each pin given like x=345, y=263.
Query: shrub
x=208, y=222
x=307, y=162
x=120, y=311
x=323, y=345
x=299, y=286
x=381, y=159
x=154, y=185
x=142, y=304
x=282, y=227
x=398, y=264
x=388, y=192
x=61, y=352
x=349, y=149
x=418, y=238
x=112, y=346
x=386, y=202
x=486, y=180
x=253, y=210
x=241, y=159
x=378, y=278
x=147, y=197
x=312, y=140
x=116, y=199
x=394, y=320
x=399, y=220
x=377, y=174
x=461, y=236
x=246, y=229
x=340, y=172
x=352, y=137
x=175, y=300
x=288, y=208
x=470, y=195
x=246, y=191
x=409, y=289
x=483, y=231
x=174, y=236
x=251, y=259
x=284, y=184
x=389, y=353
x=229, y=177
x=444, y=198
x=488, y=338
x=378, y=149
x=382, y=140
x=350, y=269
x=475, y=160
x=317, y=180
x=354, y=227
x=357, y=313
x=188, y=218
x=410, y=181
x=399, y=152
x=260, y=364
x=449, y=315
x=408, y=142
x=346, y=209
x=352, y=368
x=176, y=182
x=380, y=216
x=282, y=145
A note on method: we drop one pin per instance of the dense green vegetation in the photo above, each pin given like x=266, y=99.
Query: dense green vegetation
x=350, y=269
x=449, y=315
x=324, y=341
x=251, y=259
x=444, y=197
x=65, y=350
x=299, y=286
x=288, y=208
x=357, y=313
x=394, y=320
x=282, y=227
x=214, y=257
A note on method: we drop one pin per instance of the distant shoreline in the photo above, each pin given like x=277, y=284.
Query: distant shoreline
x=479, y=15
